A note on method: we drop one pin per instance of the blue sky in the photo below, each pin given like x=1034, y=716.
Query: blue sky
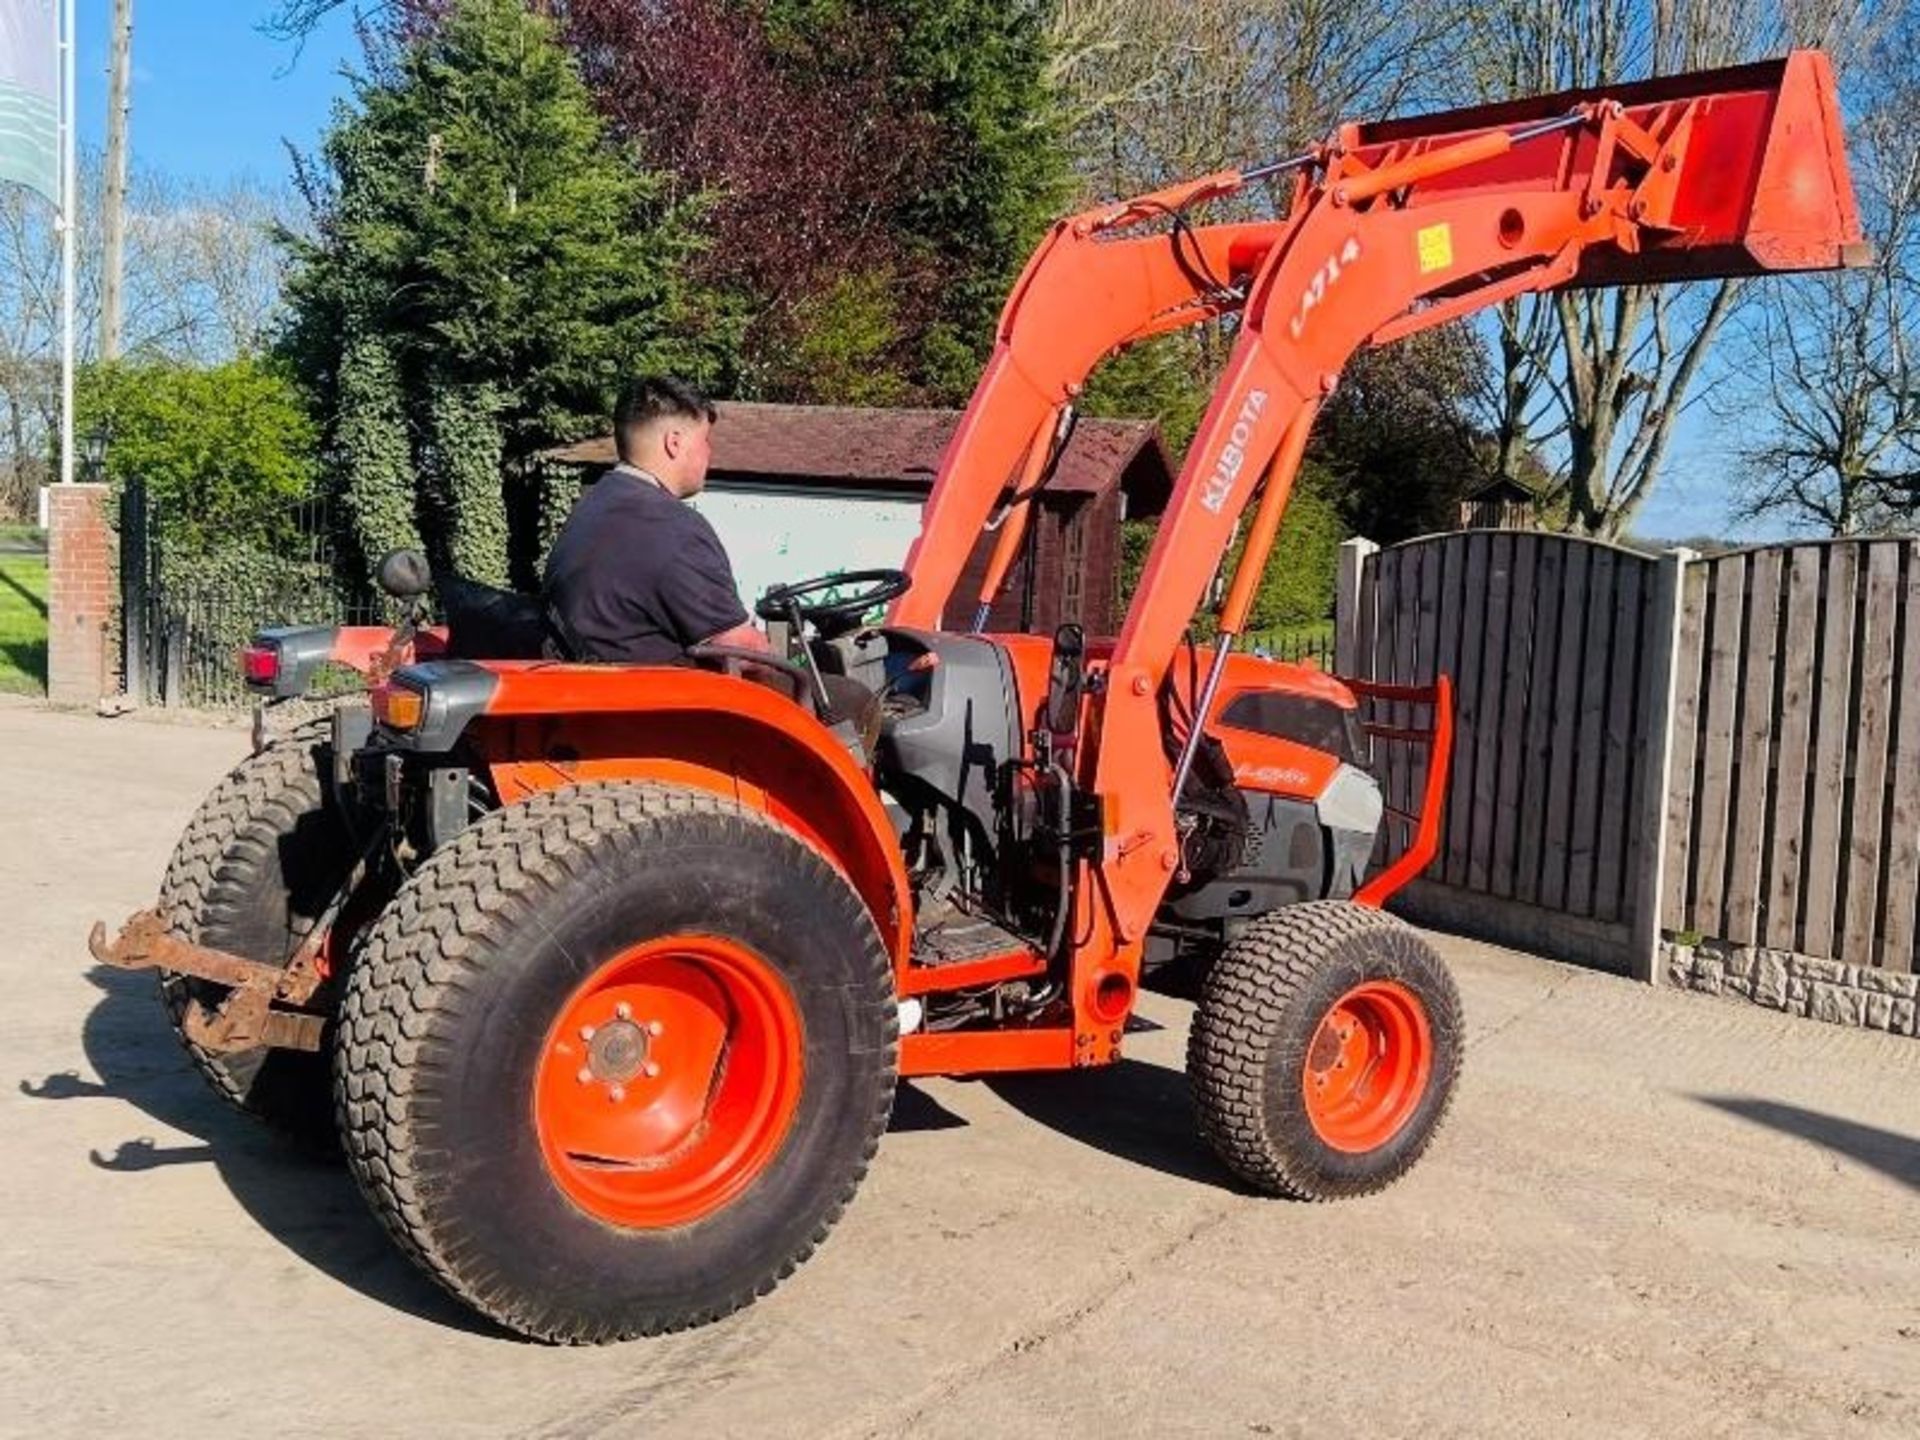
x=213, y=98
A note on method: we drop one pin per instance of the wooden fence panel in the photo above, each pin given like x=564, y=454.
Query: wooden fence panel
x=1545, y=638
x=1903, y=828
x=1688, y=673
x=1363, y=646
x=1865, y=848
x=1523, y=603
x=1491, y=712
x=1446, y=660
x=1426, y=657
x=1713, y=803
x=1792, y=814
x=1562, y=762
x=1366, y=625
x=1620, y=758
x=1583, y=824
x=1754, y=737
x=1797, y=700
x=1474, y=577
x=1538, y=756
x=1406, y=630
x=1804, y=792
x=1385, y=607
x=1819, y=931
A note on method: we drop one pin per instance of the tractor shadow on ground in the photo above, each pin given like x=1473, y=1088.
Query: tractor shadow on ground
x=1136, y=1111
x=308, y=1203
x=914, y=1111
x=1892, y=1154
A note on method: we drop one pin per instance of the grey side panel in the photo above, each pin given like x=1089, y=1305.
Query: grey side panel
x=1352, y=851
x=1291, y=857
x=956, y=745
x=1286, y=863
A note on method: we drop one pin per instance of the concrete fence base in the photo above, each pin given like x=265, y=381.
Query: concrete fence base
x=1799, y=984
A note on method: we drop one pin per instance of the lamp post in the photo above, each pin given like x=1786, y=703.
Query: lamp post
x=95, y=455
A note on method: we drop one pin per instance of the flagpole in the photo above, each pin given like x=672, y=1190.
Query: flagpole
x=68, y=215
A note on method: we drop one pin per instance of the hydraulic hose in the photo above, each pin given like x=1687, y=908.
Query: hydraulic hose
x=1063, y=830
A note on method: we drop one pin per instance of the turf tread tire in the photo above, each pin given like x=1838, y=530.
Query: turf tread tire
x=1258, y=1009
x=424, y=957
x=227, y=862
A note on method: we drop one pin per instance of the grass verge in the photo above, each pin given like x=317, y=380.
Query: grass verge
x=23, y=624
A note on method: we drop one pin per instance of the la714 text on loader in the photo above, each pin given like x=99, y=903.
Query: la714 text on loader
x=603, y=975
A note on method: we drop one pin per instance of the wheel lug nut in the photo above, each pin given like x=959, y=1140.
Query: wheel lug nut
x=585, y=1075
x=616, y=1093
x=586, y=1032
x=651, y=1070
x=654, y=1027
x=623, y=1011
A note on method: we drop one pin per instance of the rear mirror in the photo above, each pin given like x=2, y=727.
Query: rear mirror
x=1067, y=680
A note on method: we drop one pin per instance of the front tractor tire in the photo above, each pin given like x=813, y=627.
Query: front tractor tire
x=256, y=866
x=1324, y=1051
x=614, y=1062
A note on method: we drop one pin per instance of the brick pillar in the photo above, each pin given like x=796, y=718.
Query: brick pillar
x=82, y=564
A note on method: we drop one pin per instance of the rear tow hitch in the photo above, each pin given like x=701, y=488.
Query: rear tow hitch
x=245, y=1019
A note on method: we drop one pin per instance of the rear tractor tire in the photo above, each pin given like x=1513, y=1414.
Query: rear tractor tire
x=1324, y=1051
x=614, y=1062
x=257, y=864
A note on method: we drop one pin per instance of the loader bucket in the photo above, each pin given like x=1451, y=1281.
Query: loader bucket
x=1767, y=189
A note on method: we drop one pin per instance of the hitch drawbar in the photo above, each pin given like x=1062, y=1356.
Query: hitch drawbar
x=245, y=1019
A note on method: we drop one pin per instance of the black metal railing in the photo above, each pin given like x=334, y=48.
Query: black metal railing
x=185, y=617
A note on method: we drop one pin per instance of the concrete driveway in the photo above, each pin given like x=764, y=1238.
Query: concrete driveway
x=1651, y=1214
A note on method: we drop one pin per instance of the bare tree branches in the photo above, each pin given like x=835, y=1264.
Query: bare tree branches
x=1832, y=407
x=1158, y=91
x=1603, y=401
x=202, y=286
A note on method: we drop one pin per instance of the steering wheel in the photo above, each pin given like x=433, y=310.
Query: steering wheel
x=871, y=588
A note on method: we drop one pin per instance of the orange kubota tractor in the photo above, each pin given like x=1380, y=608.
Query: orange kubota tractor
x=603, y=975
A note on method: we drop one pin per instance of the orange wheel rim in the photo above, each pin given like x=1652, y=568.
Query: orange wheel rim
x=669, y=1081
x=1368, y=1066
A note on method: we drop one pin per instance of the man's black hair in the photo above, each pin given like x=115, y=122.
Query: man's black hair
x=651, y=398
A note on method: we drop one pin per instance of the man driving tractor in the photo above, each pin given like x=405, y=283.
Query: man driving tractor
x=636, y=576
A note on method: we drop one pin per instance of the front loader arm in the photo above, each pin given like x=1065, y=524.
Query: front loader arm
x=1393, y=228
x=1727, y=172
x=1090, y=289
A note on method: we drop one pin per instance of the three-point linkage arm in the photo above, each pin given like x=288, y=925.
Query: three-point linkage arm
x=1393, y=227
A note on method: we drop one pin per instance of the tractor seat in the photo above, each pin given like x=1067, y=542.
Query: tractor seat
x=487, y=623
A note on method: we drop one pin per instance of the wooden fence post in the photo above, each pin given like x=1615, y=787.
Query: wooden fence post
x=1663, y=666
x=1346, y=604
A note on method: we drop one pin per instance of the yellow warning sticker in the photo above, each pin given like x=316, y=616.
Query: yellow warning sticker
x=1436, y=248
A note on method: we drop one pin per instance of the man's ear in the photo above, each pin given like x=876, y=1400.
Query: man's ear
x=672, y=440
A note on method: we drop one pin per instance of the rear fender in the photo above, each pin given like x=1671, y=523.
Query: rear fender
x=549, y=726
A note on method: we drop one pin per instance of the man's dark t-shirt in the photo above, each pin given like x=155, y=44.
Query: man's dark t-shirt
x=637, y=575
